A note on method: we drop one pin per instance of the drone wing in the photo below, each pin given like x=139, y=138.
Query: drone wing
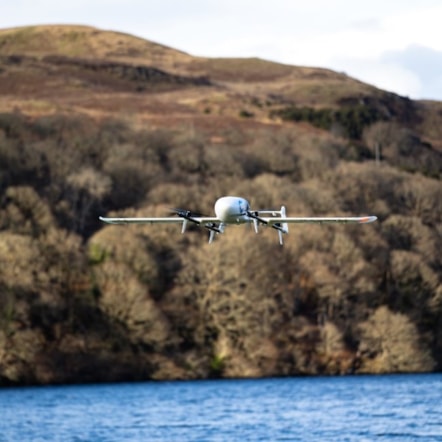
x=279, y=221
x=320, y=220
x=213, y=224
x=203, y=220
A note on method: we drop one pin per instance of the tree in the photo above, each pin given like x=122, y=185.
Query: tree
x=227, y=303
x=23, y=211
x=87, y=188
x=125, y=275
x=390, y=343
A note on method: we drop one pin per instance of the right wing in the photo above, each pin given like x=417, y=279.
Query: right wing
x=280, y=223
x=320, y=220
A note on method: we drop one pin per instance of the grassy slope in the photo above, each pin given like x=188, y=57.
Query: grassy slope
x=252, y=85
x=245, y=77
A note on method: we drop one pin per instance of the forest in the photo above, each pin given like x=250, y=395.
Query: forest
x=86, y=302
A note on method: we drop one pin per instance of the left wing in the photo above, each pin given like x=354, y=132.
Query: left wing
x=204, y=220
x=213, y=224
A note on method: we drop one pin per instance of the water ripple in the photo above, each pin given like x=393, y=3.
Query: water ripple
x=360, y=408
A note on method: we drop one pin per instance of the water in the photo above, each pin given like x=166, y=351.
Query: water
x=362, y=408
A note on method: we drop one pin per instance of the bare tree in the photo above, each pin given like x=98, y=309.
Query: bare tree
x=391, y=343
x=86, y=188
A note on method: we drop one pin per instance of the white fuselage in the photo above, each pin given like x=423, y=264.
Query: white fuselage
x=232, y=210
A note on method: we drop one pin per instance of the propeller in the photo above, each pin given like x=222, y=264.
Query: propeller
x=256, y=219
x=187, y=216
x=183, y=213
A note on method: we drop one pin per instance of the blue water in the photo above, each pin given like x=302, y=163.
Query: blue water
x=362, y=408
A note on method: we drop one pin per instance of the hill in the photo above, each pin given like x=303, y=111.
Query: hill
x=95, y=122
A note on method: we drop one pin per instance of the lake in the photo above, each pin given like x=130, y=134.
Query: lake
x=350, y=408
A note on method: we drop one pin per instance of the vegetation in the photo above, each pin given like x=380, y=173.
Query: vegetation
x=83, y=302
x=352, y=116
x=351, y=120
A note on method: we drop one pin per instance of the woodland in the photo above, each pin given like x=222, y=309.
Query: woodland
x=132, y=128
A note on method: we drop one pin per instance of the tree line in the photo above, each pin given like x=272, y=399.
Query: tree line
x=79, y=297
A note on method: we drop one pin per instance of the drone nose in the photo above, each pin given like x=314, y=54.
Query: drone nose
x=222, y=208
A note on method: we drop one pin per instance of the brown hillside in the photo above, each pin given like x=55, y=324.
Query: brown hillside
x=79, y=68
x=96, y=122
x=84, y=41
x=247, y=83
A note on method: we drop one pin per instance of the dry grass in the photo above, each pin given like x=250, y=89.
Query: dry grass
x=241, y=89
x=252, y=86
x=85, y=41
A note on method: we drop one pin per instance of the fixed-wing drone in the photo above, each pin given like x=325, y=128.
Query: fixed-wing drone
x=236, y=210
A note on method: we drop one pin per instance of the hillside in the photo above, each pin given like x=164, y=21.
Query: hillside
x=95, y=122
